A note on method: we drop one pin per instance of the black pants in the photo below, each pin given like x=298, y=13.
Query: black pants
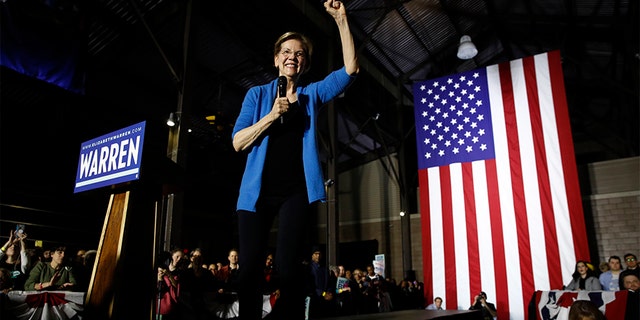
x=293, y=218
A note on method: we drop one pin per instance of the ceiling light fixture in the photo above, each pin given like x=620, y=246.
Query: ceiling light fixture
x=466, y=49
x=173, y=119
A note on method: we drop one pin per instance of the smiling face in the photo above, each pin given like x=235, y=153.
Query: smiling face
x=291, y=60
x=631, y=282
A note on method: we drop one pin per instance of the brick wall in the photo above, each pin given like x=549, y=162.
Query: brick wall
x=613, y=208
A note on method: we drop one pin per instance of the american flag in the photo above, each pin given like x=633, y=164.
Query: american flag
x=500, y=202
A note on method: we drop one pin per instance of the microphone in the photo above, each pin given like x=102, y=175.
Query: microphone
x=282, y=92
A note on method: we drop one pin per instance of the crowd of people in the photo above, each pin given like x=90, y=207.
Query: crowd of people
x=190, y=287
x=38, y=269
x=43, y=269
x=193, y=287
x=610, y=276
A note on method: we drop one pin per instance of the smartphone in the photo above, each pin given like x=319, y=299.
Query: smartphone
x=19, y=229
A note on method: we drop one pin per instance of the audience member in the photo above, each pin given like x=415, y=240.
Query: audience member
x=228, y=274
x=372, y=276
x=197, y=288
x=54, y=275
x=13, y=257
x=322, y=287
x=604, y=267
x=583, y=278
x=345, y=303
x=609, y=280
x=177, y=261
x=195, y=256
x=436, y=305
x=362, y=300
x=168, y=292
x=384, y=297
x=632, y=261
x=79, y=259
x=270, y=277
x=480, y=303
x=5, y=287
x=585, y=310
x=214, y=269
x=83, y=267
x=631, y=282
x=46, y=255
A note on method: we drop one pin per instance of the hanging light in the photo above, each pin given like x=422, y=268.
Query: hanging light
x=171, y=122
x=466, y=49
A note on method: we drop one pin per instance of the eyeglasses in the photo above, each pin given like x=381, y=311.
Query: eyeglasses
x=631, y=259
x=287, y=53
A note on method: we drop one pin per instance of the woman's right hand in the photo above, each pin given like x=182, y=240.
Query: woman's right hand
x=280, y=106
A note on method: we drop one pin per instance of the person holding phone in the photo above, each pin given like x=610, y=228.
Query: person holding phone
x=283, y=175
x=14, y=257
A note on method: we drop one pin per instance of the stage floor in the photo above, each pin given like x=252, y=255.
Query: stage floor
x=415, y=315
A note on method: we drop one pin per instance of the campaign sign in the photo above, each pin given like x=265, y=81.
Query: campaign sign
x=110, y=159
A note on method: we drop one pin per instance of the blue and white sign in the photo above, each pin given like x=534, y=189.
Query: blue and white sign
x=110, y=159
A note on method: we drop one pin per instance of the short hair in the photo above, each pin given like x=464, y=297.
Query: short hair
x=437, y=298
x=630, y=255
x=307, y=45
x=625, y=274
x=614, y=257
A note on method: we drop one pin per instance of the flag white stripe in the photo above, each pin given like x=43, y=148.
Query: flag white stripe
x=483, y=221
x=460, y=239
x=512, y=254
x=437, y=238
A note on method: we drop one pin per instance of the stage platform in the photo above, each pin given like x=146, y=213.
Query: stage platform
x=416, y=315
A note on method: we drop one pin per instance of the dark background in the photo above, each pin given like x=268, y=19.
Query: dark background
x=74, y=70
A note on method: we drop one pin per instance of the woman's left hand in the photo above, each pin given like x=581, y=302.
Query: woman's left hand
x=335, y=8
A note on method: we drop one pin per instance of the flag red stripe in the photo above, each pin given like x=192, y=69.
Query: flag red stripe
x=517, y=187
x=475, y=281
x=425, y=219
x=574, y=196
x=499, y=263
x=449, y=241
x=544, y=187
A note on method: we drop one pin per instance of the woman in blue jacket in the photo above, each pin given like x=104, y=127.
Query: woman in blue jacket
x=283, y=175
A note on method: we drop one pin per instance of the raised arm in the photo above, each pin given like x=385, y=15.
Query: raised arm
x=25, y=262
x=337, y=10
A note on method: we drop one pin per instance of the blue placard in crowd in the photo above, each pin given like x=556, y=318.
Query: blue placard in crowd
x=110, y=159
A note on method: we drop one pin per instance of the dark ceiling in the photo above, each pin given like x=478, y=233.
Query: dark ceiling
x=139, y=60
